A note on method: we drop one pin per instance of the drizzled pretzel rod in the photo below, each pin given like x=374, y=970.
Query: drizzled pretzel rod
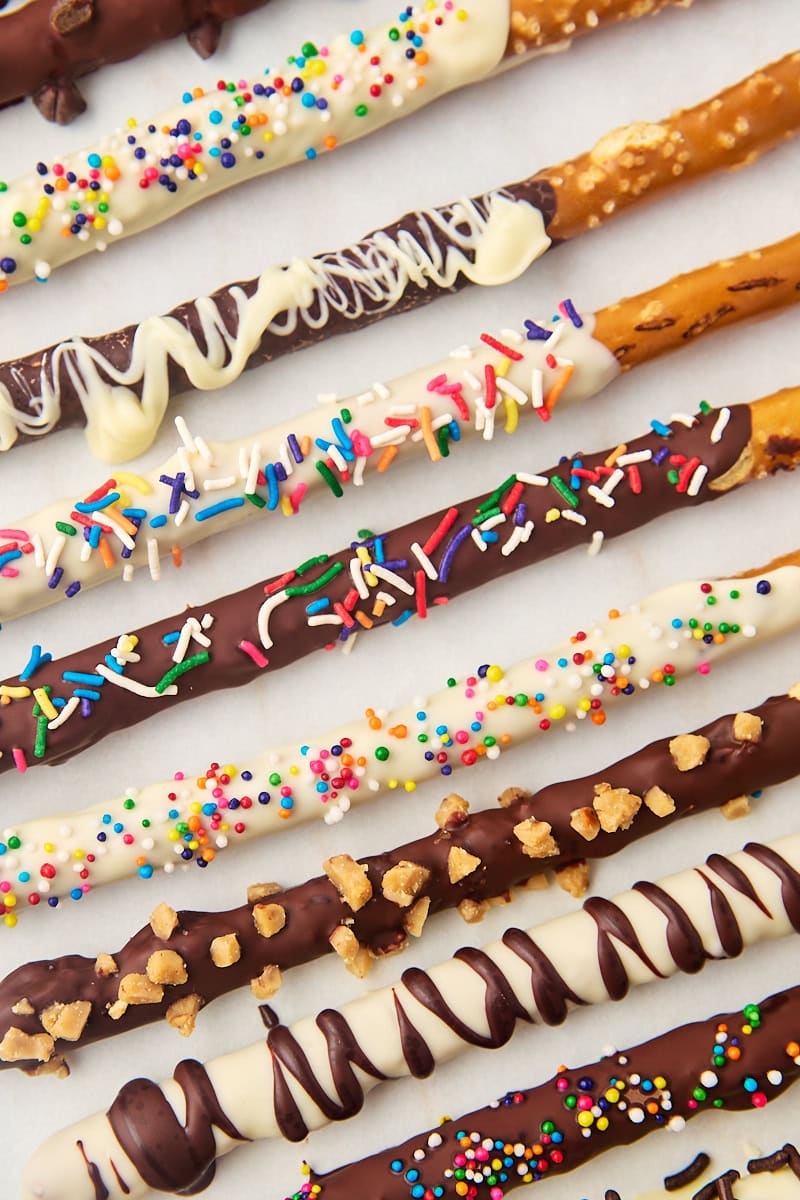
x=189, y=818
x=45, y=47
x=385, y=577
x=366, y=909
x=119, y=383
x=304, y=1076
x=652, y=1086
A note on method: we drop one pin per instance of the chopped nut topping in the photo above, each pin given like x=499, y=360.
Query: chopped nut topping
x=23, y=1008
x=794, y=691
x=166, y=966
x=584, y=821
x=267, y=984
x=403, y=883
x=574, y=878
x=17, y=1046
x=261, y=891
x=138, y=989
x=105, y=966
x=163, y=922
x=417, y=915
x=535, y=838
x=349, y=879
x=510, y=795
x=182, y=1014
x=452, y=812
x=355, y=957
x=473, y=911
x=225, y=950
x=117, y=1009
x=615, y=807
x=539, y=882
x=747, y=727
x=500, y=901
x=269, y=919
x=460, y=864
x=57, y=1066
x=689, y=750
x=66, y=1021
x=659, y=801
x=736, y=808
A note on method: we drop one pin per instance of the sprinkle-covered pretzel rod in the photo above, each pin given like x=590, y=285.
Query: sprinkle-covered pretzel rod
x=381, y=578
x=735, y=1061
x=46, y=47
x=669, y=636
x=119, y=383
x=365, y=909
x=304, y=1076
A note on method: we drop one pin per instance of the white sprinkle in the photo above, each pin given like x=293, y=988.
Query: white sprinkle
x=219, y=484
x=511, y=335
x=596, y=544
x=206, y=620
x=327, y=398
x=132, y=685
x=461, y=352
x=569, y=514
x=490, y=522
x=478, y=540
x=600, y=496
x=676, y=1124
x=473, y=381
x=683, y=419
x=510, y=389
x=252, y=470
x=338, y=459
x=54, y=554
x=775, y=1078
x=613, y=480
x=358, y=471
x=385, y=597
x=707, y=1078
x=537, y=388
x=390, y=577
x=424, y=561
x=325, y=619
x=532, y=480
x=204, y=450
x=65, y=714
x=182, y=513
x=347, y=647
x=488, y=428
x=264, y=614
x=357, y=576
x=86, y=552
x=638, y=456
x=749, y=631
x=696, y=482
x=381, y=391
x=558, y=331
x=127, y=572
x=183, y=459
x=436, y=424
x=185, y=435
x=365, y=398
x=720, y=425
x=286, y=462
x=392, y=437
x=124, y=537
x=636, y=1115
x=38, y=550
x=152, y=559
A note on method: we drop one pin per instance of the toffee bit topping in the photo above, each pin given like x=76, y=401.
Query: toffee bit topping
x=615, y=807
x=267, y=983
x=23, y=1008
x=574, y=879
x=182, y=1014
x=350, y=880
x=261, y=891
x=747, y=727
x=417, y=915
x=355, y=957
x=535, y=838
x=66, y=1021
x=17, y=1046
x=225, y=950
x=105, y=965
x=453, y=812
x=139, y=989
x=736, y=808
x=402, y=883
x=585, y=822
x=689, y=750
x=460, y=864
x=163, y=922
x=269, y=919
x=473, y=911
x=511, y=795
x=659, y=802
x=166, y=966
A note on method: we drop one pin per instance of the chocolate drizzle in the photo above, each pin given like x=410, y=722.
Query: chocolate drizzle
x=93, y=1171
x=790, y=879
x=737, y=879
x=730, y=935
x=171, y=1157
x=683, y=941
x=612, y=922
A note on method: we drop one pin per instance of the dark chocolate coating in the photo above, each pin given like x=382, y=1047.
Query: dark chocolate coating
x=680, y=1056
x=349, y=306
x=314, y=909
x=236, y=615
x=46, y=46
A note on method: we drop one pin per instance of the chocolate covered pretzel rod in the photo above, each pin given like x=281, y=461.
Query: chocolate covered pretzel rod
x=382, y=578
x=736, y=1060
x=303, y=1077
x=670, y=635
x=119, y=383
x=45, y=47
x=366, y=909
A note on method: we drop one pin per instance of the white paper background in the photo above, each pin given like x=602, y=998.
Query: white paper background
x=492, y=134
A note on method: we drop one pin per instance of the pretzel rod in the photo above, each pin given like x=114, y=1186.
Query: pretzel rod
x=669, y=636
x=650, y=1087
x=119, y=383
x=303, y=1076
x=366, y=909
x=774, y=1176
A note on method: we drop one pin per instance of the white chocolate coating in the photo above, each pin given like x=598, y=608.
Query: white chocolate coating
x=244, y=1080
x=382, y=750
x=488, y=250
x=227, y=471
x=139, y=190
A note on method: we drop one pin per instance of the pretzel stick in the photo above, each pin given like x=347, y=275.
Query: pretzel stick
x=304, y=1076
x=428, y=412
x=673, y=1069
x=192, y=818
x=119, y=383
x=51, y=1007
x=44, y=47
